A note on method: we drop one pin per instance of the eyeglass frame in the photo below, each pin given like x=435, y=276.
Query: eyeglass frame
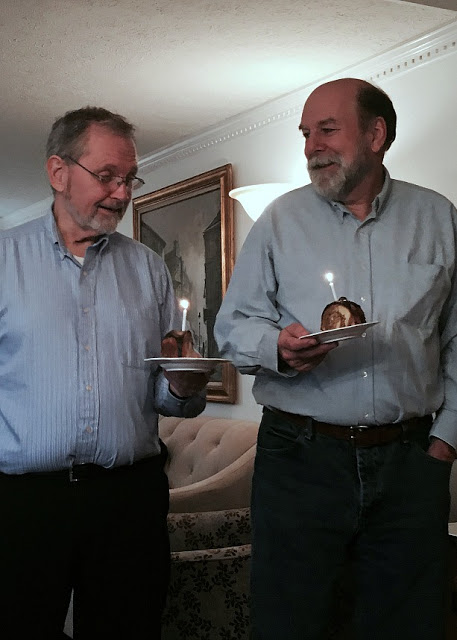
x=103, y=179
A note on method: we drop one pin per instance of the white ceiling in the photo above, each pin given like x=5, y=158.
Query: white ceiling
x=175, y=67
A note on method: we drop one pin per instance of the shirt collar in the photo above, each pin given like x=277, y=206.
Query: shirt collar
x=381, y=198
x=56, y=237
x=376, y=206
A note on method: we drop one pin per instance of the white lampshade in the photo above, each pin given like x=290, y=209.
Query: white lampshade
x=256, y=197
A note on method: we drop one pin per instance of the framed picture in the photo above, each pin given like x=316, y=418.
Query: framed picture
x=190, y=225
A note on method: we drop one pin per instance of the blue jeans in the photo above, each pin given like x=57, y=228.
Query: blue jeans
x=317, y=501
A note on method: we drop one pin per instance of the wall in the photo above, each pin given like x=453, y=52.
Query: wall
x=264, y=145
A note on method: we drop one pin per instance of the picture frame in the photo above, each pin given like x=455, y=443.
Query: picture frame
x=190, y=224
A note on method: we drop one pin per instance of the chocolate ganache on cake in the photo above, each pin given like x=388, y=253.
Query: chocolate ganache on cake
x=341, y=313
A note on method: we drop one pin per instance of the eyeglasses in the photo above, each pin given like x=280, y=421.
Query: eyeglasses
x=110, y=181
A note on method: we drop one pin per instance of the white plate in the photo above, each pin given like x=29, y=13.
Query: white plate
x=344, y=333
x=187, y=364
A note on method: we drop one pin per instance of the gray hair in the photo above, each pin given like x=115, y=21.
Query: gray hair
x=68, y=133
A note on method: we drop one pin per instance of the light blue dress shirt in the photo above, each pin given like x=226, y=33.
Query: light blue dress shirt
x=74, y=387
x=399, y=264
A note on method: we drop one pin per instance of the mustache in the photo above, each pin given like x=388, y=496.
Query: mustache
x=114, y=207
x=317, y=162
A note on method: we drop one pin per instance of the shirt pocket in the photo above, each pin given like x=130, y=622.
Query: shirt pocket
x=138, y=378
x=414, y=294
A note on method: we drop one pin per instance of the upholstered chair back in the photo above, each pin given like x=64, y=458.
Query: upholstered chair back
x=210, y=462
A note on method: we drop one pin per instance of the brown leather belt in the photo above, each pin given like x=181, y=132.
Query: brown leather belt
x=359, y=435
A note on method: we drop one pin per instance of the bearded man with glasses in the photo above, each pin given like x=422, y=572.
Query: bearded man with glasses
x=83, y=494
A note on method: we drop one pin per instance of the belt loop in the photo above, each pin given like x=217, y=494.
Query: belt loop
x=404, y=438
x=71, y=477
x=309, y=430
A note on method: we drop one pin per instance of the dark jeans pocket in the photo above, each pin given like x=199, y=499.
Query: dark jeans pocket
x=276, y=435
x=420, y=443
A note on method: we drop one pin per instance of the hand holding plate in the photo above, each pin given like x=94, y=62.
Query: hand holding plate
x=178, y=344
x=299, y=353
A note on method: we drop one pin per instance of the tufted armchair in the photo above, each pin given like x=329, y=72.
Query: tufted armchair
x=210, y=462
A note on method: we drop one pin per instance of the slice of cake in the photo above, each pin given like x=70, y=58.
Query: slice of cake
x=177, y=337
x=341, y=313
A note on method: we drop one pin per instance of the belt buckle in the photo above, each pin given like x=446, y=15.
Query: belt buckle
x=355, y=429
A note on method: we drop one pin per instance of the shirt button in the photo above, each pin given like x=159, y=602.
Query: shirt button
x=367, y=415
x=86, y=347
x=88, y=429
x=362, y=299
x=88, y=387
x=365, y=374
x=84, y=273
x=86, y=310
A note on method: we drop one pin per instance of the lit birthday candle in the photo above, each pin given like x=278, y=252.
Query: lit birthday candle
x=329, y=277
x=184, y=304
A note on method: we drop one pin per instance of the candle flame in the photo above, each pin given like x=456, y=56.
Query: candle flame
x=184, y=304
x=329, y=276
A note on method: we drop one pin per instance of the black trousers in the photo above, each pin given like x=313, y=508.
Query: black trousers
x=318, y=501
x=105, y=537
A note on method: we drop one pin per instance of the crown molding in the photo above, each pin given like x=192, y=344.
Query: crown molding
x=400, y=60
x=430, y=47
x=427, y=48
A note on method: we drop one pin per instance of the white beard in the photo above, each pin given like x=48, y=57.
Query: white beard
x=99, y=222
x=343, y=180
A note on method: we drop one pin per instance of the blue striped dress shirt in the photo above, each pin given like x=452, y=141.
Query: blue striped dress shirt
x=399, y=264
x=74, y=387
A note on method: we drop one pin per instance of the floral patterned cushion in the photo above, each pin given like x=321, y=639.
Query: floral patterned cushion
x=208, y=597
x=209, y=529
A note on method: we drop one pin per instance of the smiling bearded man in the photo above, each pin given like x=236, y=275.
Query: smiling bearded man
x=357, y=438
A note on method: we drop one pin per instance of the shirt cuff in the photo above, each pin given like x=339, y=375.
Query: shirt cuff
x=167, y=404
x=445, y=427
x=269, y=356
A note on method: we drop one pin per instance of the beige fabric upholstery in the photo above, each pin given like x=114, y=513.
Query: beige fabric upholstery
x=210, y=462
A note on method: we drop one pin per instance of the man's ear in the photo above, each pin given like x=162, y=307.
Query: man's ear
x=57, y=173
x=378, y=131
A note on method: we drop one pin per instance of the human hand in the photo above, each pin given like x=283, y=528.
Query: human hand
x=178, y=344
x=301, y=355
x=441, y=450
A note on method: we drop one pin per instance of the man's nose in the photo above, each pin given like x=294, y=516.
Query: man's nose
x=313, y=143
x=121, y=191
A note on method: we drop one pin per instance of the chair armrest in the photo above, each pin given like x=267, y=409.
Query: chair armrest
x=212, y=555
x=229, y=488
x=209, y=529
